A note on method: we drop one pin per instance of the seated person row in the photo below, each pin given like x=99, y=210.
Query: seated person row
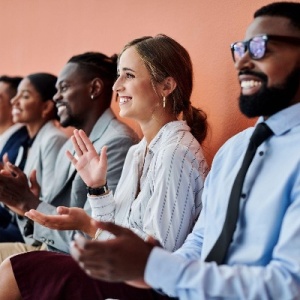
x=159, y=193
x=155, y=192
x=260, y=256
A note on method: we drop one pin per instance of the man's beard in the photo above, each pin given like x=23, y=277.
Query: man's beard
x=268, y=101
x=68, y=119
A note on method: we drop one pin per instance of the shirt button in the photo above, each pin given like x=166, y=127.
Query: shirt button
x=261, y=153
x=243, y=196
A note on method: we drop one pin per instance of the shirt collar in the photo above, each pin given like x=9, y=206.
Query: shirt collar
x=168, y=129
x=283, y=120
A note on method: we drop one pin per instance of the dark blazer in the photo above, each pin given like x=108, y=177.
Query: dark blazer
x=11, y=147
x=17, y=139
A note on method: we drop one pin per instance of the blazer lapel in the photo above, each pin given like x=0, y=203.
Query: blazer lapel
x=33, y=154
x=62, y=170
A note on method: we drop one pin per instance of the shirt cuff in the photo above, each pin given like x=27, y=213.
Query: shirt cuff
x=162, y=271
x=103, y=207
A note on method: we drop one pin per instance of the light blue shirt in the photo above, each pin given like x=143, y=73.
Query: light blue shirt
x=263, y=260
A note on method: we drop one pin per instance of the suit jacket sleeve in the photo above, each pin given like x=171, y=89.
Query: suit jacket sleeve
x=60, y=240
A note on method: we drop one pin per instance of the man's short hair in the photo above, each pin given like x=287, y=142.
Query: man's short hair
x=289, y=10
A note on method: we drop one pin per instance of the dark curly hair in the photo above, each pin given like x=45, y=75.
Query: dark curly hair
x=98, y=65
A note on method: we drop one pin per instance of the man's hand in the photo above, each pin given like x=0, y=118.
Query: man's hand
x=67, y=219
x=123, y=258
x=91, y=167
x=141, y=283
x=15, y=191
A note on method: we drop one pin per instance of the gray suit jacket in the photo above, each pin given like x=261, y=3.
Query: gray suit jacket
x=43, y=154
x=68, y=189
x=42, y=157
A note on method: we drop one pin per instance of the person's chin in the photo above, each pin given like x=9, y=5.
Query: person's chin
x=247, y=106
x=64, y=122
x=123, y=113
x=16, y=120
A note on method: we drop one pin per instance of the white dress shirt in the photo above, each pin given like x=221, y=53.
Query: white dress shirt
x=159, y=192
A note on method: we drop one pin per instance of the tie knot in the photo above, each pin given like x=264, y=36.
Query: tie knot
x=260, y=134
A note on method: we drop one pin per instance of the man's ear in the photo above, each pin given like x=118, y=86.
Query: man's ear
x=168, y=86
x=48, y=108
x=96, y=87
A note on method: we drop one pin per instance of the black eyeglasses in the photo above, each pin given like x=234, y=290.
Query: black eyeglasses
x=257, y=46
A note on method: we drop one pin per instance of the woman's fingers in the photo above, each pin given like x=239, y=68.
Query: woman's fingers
x=71, y=157
x=87, y=143
x=80, y=142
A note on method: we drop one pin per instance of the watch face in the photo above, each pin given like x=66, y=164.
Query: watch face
x=97, y=191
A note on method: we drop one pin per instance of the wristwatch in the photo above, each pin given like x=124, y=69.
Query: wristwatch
x=98, y=191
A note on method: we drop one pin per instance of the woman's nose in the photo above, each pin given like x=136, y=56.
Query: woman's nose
x=118, y=86
x=14, y=100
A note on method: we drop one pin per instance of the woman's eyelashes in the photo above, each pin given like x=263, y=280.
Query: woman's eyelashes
x=129, y=75
x=25, y=95
x=126, y=75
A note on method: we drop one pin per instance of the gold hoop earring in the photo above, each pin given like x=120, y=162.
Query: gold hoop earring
x=164, y=101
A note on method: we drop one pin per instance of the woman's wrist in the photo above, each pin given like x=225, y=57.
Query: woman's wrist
x=90, y=229
x=98, y=191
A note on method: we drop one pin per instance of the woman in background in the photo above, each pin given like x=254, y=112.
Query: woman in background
x=33, y=106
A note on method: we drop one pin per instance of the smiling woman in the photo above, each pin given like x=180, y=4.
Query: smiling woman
x=33, y=106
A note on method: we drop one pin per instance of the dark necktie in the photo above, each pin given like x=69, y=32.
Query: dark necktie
x=219, y=250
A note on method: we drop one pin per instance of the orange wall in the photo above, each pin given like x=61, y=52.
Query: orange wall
x=40, y=35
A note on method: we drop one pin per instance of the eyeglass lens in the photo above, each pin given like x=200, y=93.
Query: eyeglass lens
x=256, y=47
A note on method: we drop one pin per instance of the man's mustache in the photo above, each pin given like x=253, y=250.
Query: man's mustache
x=262, y=76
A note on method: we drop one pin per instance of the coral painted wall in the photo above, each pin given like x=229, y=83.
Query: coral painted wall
x=41, y=35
